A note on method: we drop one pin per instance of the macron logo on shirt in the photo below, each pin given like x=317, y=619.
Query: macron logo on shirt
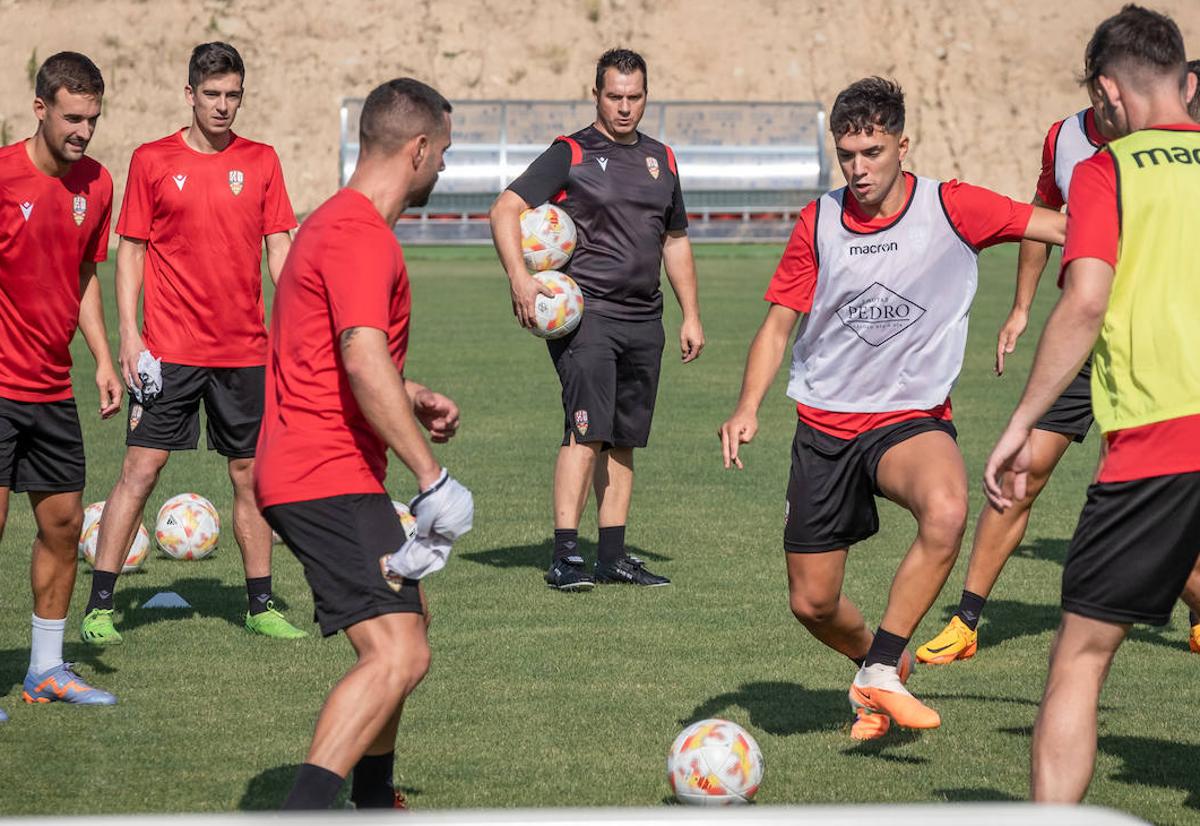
x=180, y=180
x=26, y=208
x=603, y=164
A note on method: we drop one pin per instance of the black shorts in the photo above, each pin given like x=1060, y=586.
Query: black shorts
x=41, y=446
x=339, y=541
x=1071, y=413
x=233, y=402
x=609, y=373
x=1133, y=550
x=831, y=488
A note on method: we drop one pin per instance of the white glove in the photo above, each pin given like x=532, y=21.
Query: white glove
x=445, y=508
x=150, y=372
x=444, y=512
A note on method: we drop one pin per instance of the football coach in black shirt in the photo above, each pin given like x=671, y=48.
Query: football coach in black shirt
x=622, y=190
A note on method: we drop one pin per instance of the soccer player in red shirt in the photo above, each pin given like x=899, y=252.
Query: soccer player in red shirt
x=55, y=209
x=880, y=275
x=1130, y=293
x=198, y=205
x=337, y=400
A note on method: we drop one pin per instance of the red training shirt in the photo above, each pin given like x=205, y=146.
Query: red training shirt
x=344, y=270
x=981, y=217
x=1047, y=187
x=203, y=218
x=1094, y=231
x=49, y=227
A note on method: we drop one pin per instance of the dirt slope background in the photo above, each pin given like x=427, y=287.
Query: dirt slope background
x=984, y=78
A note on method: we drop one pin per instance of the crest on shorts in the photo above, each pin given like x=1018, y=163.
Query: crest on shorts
x=135, y=416
x=393, y=580
x=79, y=209
x=237, y=179
x=581, y=422
x=652, y=165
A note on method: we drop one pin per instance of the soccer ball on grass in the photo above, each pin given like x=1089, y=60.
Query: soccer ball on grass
x=714, y=763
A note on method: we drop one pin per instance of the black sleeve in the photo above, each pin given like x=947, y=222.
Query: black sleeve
x=677, y=213
x=546, y=176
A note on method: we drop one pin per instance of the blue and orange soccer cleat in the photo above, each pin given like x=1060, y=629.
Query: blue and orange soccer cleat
x=61, y=684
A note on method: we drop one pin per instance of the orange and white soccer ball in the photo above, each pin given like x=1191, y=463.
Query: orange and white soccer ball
x=547, y=237
x=714, y=763
x=557, y=315
x=187, y=527
x=406, y=518
x=91, y=534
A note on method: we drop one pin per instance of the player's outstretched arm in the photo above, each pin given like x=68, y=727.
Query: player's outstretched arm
x=278, y=244
x=91, y=324
x=1069, y=336
x=681, y=272
x=762, y=363
x=437, y=413
x=131, y=261
x=1047, y=225
x=1031, y=262
x=505, y=219
x=379, y=391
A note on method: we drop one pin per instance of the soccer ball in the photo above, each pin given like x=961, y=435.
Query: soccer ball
x=714, y=763
x=406, y=519
x=547, y=237
x=187, y=527
x=559, y=314
x=91, y=534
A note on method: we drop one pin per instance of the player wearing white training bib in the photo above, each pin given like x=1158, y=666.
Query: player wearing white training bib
x=880, y=276
x=1068, y=142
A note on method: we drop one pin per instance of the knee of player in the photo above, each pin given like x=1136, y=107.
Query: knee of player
x=241, y=471
x=403, y=669
x=140, y=475
x=944, y=518
x=814, y=609
x=59, y=528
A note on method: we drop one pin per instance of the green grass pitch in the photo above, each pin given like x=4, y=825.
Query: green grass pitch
x=538, y=698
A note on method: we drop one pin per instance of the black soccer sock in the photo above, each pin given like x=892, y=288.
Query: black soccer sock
x=886, y=649
x=371, y=784
x=612, y=544
x=1193, y=620
x=103, y=586
x=858, y=661
x=566, y=543
x=969, y=608
x=314, y=788
x=258, y=591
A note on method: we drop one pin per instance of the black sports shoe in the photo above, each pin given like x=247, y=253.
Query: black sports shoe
x=628, y=569
x=568, y=574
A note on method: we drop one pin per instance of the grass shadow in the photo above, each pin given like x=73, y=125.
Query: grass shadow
x=538, y=556
x=780, y=708
x=1163, y=764
x=1044, y=548
x=209, y=597
x=14, y=662
x=976, y=794
x=883, y=748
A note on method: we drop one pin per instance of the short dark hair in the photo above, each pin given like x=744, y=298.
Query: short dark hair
x=71, y=71
x=212, y=60
x=1138, y=36
x=626, y=62
x=397, y=111
x=866, y=105
x=1194, y=103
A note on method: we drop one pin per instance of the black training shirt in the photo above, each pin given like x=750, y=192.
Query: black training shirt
x=623, y=199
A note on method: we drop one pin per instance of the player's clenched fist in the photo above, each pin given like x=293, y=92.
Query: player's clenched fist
x=738, y=430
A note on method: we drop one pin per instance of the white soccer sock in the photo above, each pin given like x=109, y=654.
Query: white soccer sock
x=46, y=651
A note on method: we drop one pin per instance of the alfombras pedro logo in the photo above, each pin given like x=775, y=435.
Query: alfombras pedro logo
x=877, y=314
x=872, y=249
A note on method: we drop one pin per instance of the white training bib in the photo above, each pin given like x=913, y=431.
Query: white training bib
x=888, y=325
x=1070, y=147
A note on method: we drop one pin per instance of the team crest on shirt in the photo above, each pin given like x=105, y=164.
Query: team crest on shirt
x=652, y=165
x=135, y=416
x=237, y=179
x=79, y=210
x=581, y=422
